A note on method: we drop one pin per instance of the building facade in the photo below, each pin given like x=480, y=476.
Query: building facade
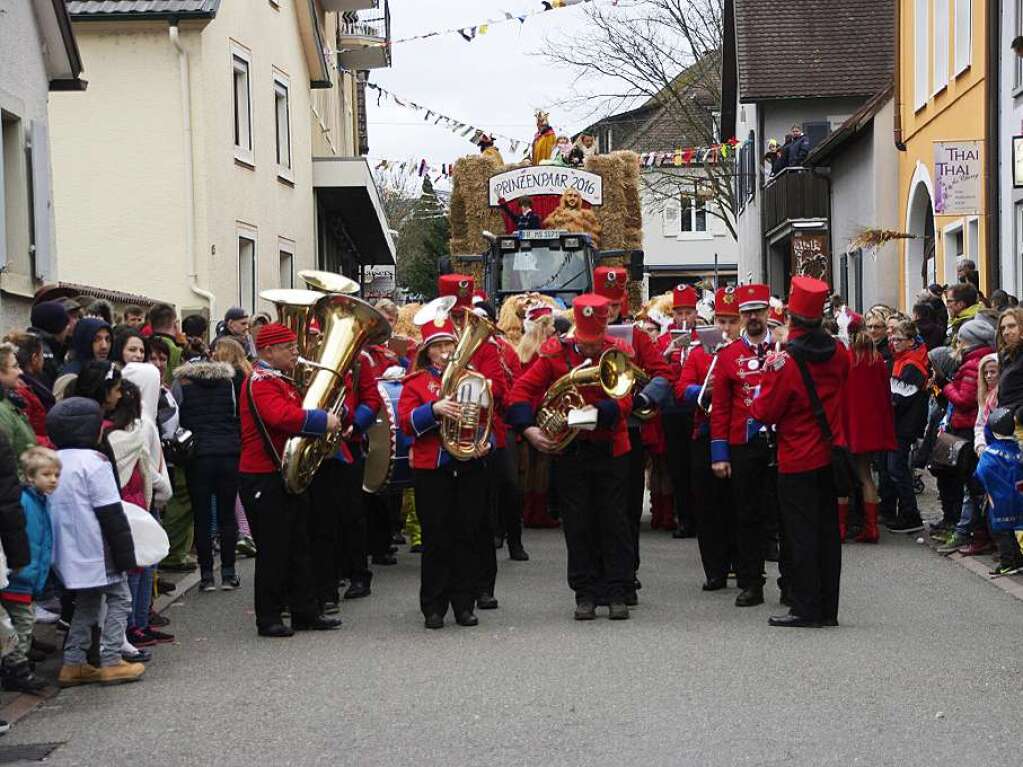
x=38, y=55
x=193, y=172
x=1009, y=99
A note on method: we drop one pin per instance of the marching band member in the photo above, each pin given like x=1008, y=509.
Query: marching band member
x=488, y=362
x=740, y=446
x=591, y=473
x=807, y=427
x=674, y=345
x=610, y=282
x=338, y=522
x=448, y=491
x=714, y=511
x=271, y=412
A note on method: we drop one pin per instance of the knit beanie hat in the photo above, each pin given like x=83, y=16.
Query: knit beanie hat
x=50, y=316
x=274, y=333
x=976, y=332
x=943, y=361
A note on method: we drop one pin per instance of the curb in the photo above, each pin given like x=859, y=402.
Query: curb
x=23, y=703
x=1011, y=586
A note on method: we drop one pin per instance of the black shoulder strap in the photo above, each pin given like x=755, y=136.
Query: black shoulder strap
x=260, y=426
x=815, y=401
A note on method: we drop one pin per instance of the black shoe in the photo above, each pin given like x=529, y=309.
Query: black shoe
x=141, y=655
x=21, y=679
x=385, y=559
x=467, y=619
x=585, y=610
x=750, y=598
x=716, y=584
x=158, y=621
x=683, y=531
x=636, y=584
x=631, y=599
x=392, y=549
x=399, y=539
x=906, y=526
x=207, y=584
x=416, y=549
x=618, y=611
x=434, y=621
x=792, y=621
x=230, y=583
x=486, y=602
x=164, y=586
x=517, y=553
x=830, y=622
x=330, y=608
x=319, y=623
x=358, y=590
x=498, y=541
x=276, y=630
x=179, y=567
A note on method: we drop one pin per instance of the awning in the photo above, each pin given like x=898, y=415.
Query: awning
x=345, y=187
x=52, y=292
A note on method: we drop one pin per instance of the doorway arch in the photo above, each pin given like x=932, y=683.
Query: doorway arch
x=920, y=263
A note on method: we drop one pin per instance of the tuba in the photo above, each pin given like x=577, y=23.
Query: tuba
x=468, y=436
x=347, y=324
x=615, y=373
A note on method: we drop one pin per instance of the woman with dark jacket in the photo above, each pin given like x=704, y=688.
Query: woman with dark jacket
x=13, y=538
x=208, y=407
x=932, y=333
x=1010, y=359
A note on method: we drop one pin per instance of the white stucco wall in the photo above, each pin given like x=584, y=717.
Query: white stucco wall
x=749, y=247
x=1010, y=100
x=24, y=93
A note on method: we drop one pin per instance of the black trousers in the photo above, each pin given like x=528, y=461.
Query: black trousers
x=449, y=503
x=279, y=524
x=752, y=481
x=506, y=503
x=484, y=530
x=714, y=511
x=209, y=477
x=337, y=528
x=636, y=486
x=809, y=511
x=591, y=485
x=678, y=430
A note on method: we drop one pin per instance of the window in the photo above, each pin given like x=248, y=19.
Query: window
x=247, y=269
x=242, y=107
x=920, y=50
x=941, y=26
x=282, y=125
x=1019, y=32
x=964, y=34
x=1019, y=244
x=693, y=216
x=286, y=251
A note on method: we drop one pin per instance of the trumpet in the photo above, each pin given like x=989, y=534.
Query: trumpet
x=710, y=373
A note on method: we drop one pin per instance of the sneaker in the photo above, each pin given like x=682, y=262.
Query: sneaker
x=230, y=582
x=120, y=673
x=139, y=656
x=246, y=547
x=160, y=637
x=1001, y=570
x=906, y=526
x=43, y=615
x=140, y=638
x=164, y=586
x=156, y=620
x=74, y=674
x=5, y=727
x=20, y=678
x=952, y=543
x=207, y=584
x=941, y=526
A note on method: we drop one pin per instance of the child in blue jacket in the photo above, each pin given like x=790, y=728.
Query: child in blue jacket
x=1000, y=471
x=41, y=468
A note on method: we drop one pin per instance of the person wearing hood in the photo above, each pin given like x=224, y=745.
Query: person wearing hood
x=932, y=333
x=92, y=545
x=52, y=325
x=801, y=393
x=999, y=473
x=31, y=388
x=91, y=340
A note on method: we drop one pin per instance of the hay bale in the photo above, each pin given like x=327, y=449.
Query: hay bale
x=470, y=207
x=620, y=214
x=404, y=326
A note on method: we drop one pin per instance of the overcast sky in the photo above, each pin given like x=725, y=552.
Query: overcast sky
x=495, y=82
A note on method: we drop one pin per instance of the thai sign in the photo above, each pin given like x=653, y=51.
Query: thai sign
x=957, y=171
x=546, y=179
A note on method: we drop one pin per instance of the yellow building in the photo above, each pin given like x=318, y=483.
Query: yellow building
x=941, y=94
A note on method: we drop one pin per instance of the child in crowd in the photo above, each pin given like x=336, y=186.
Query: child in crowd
x=92, y=545
x=1000, y=472
x=41, y=469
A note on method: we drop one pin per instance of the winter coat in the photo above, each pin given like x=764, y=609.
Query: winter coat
x=798, y=151
x=175, y=355
x=1010, y=380
x=1000, y=471
x=13, y=539
x=138, y=448
x=81, y=343
x=15, y=425
x=932, y=333
x=908, y=384
x=92, y=543
x=208, y=407
x=31, y=579
x=53, y=356
x=961, y=391
x=34, y=410
x=147, y=378
x=869, y=418
x=964, y=316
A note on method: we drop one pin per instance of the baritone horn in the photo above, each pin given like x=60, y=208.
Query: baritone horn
x=468, y=436
x=615, y=373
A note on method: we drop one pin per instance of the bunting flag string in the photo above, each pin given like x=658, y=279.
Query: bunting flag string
x=685, y=156
x=414, y=167
x=455, y=126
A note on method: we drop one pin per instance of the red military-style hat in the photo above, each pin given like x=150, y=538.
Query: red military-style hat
x=461, y=286
x=776, y=317
x=684, y=297
x=591, y=312
x=807, y=296
x=725, y=303
x=753, y=296
x=274, y=333
x=437, y=330
x=537, y=311
x=478, y=295
x=610, y=282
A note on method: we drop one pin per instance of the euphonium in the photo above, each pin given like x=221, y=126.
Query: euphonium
x=468, y=436
x=347, y=324
x=615, y=373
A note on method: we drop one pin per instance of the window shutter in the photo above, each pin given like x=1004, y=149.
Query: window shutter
x=963, y=34
x=941, y=25
x=921, y=38
x=41, y=201
x=670, y=218
x=3, y=211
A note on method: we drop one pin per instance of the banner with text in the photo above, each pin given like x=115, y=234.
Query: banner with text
x=957, y=170
x=546, y=179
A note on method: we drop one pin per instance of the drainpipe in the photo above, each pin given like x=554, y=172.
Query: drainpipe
x=186, y=121
x=897, y=76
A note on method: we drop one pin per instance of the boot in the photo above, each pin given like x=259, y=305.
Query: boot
x=843, y=516
x=870, y=532
x=19, y=678
x=120, y=672
x=74, y=674
x=981, y=544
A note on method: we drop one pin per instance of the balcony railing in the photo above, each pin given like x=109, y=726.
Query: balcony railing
x=795, y=193
x=339, y=6
x=365, y=43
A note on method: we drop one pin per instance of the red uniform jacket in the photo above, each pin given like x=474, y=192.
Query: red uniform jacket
x=383, y=357
x=280, y=406
x=689, y=383
x=362, y=403
x=783, y=401
x=736, y=377
x=867, y=406
x=675, y=362
x=557, y=357
x=502, y=375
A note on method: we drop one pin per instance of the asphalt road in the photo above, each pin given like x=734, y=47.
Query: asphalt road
x=925, y=670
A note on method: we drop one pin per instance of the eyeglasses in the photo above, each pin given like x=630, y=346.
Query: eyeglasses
x=875, y=327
